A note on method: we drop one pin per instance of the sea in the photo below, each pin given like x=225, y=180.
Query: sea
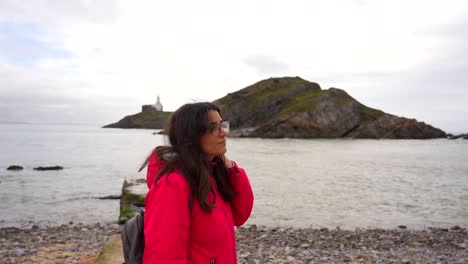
x=344, y=183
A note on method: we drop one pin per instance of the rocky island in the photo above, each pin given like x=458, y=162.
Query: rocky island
x=151, y=117
x=292, y=107
x=296, y=108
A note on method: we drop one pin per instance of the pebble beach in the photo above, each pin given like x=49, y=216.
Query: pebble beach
x=72, y=243
x=309, y=245
x=78, y=243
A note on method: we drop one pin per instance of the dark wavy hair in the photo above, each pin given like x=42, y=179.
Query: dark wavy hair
x=185, y=128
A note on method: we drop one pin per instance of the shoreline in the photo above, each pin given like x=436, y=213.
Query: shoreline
x=79, y=243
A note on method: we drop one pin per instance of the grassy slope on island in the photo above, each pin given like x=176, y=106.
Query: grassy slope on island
x=151, y=119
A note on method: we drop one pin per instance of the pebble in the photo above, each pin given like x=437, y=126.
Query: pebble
x=19, y=252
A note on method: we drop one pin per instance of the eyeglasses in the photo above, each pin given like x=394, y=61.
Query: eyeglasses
x=215, y=129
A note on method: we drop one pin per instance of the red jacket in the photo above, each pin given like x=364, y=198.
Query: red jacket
x=174, y=234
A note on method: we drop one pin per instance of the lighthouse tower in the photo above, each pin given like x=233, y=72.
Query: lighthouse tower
x=158, y=105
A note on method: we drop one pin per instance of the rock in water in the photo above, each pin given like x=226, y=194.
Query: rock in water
x=49, y=168
x=109, y=197
x=14, y=167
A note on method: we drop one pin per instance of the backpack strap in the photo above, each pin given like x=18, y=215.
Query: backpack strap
x=138, y=207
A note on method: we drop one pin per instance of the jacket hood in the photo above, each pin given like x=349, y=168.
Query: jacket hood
x=158, y=159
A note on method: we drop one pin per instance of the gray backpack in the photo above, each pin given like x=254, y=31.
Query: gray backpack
x=133, y=236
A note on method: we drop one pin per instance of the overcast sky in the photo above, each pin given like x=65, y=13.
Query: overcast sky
x=97, y=61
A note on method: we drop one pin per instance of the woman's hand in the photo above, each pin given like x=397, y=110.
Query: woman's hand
x=227, y=162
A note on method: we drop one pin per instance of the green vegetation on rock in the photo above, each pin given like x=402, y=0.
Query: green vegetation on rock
x=126, y=200
x=369, y=113
x=265, y=91
x=304, y=101
x=150, y=117
x=270, y=89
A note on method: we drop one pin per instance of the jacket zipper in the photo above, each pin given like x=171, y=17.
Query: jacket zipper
x=230, y=227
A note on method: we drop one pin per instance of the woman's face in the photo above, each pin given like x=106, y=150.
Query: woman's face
x=213, y=142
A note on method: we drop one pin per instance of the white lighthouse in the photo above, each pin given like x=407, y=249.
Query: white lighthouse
x=158, y=105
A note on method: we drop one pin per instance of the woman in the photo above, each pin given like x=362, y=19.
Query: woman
x=196, y=194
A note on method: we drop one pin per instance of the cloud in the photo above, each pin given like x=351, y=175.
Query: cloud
x=21, y=44
x=58, y=15
x=53, y=96
x=265, y=64
x=392, y=55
